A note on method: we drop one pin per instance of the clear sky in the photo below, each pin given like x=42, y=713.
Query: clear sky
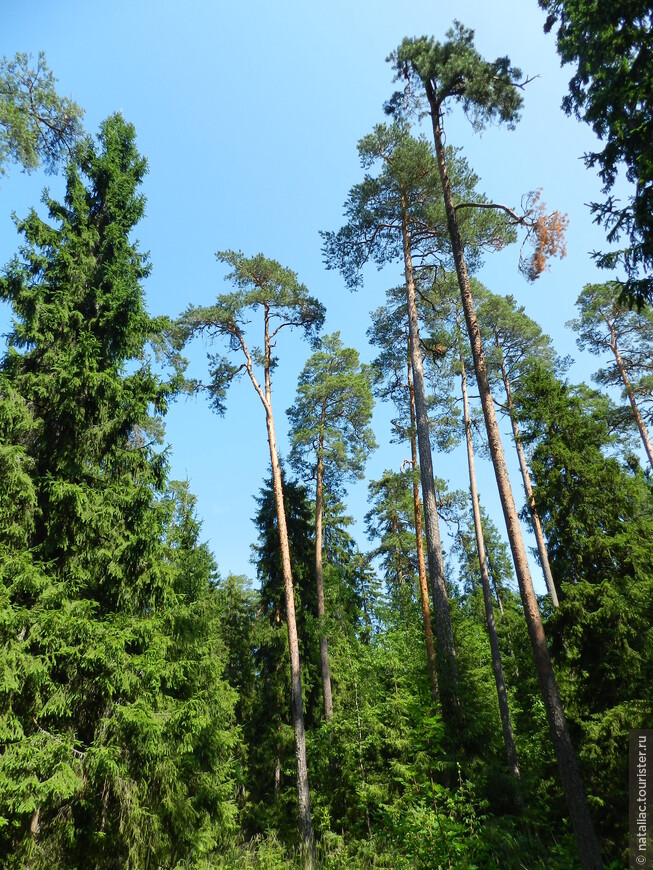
x=249, y=115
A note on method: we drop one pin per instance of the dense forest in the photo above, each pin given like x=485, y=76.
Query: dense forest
x=414, y=703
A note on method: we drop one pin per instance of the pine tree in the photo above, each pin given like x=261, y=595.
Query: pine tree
x=396, y=215
x=506, y=723
x=37, y=126
x=454, y=71
x=607, y=326
x=331, y=438
x=389, y=332
x=518, y=343
x=264, y=285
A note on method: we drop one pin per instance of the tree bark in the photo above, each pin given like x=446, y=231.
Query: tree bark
x=446, y=658
x=303, y=793
x=528, y=487
x=504, y=709
x=319, y=576
x=587, y=842
x=421, y=565
x=643, y=431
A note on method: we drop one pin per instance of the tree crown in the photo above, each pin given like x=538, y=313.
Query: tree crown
x=487, y=91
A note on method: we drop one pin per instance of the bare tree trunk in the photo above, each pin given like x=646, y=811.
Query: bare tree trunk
x=400, y=573
x=588, y=844
x=303, y=793
x=446, y=660
x=643, y=431
x=319, y=577
x=421, y=565
x=495, y=585
x=528, y=487
x=504, y=709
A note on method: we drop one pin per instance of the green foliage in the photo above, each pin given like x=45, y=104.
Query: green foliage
x=330, y=419
x=606, y=326
x=612, y=90
x=391, y=521
x=271, y=774
x=597, y=513
x=114, y=716
x=515, y=340
x=389, y=333
x=407, y=187
x=36, y=124
x=455, y=70
x=262, y=284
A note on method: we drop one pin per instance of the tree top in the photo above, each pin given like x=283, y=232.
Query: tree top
x=488, y=91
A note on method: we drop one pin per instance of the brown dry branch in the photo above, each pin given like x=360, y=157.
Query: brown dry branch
x=546, y=234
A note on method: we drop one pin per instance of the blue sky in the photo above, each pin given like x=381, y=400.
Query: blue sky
x=249, y=116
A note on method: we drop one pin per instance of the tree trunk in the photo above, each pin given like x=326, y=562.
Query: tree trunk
x=497, y=593
x=319, y=577
x=303, y=794
x=643, y=431
x=528, y=487
x=421, y=565
x=587, y=842
x=446, y=659
x=506, y=724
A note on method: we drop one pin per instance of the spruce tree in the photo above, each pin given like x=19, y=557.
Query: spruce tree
x=597, y=510
x=108, y=611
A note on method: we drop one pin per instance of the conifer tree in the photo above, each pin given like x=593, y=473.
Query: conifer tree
x=506, y=723
x=607, y=326
x=331, y=438
x=518, y=343
x=37, y=126
x=108, y=614
x=269, y=727
x=398, y=215
x=266, y=286
x=389, y=332
x=611, y=89
x=601, y=548
x=453, y=71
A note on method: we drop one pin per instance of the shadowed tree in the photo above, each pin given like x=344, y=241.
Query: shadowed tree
x=612, y=90
x=331, y=439
x=453, y=71
x=264, y=286
x=390, y=333
x=607, y=326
